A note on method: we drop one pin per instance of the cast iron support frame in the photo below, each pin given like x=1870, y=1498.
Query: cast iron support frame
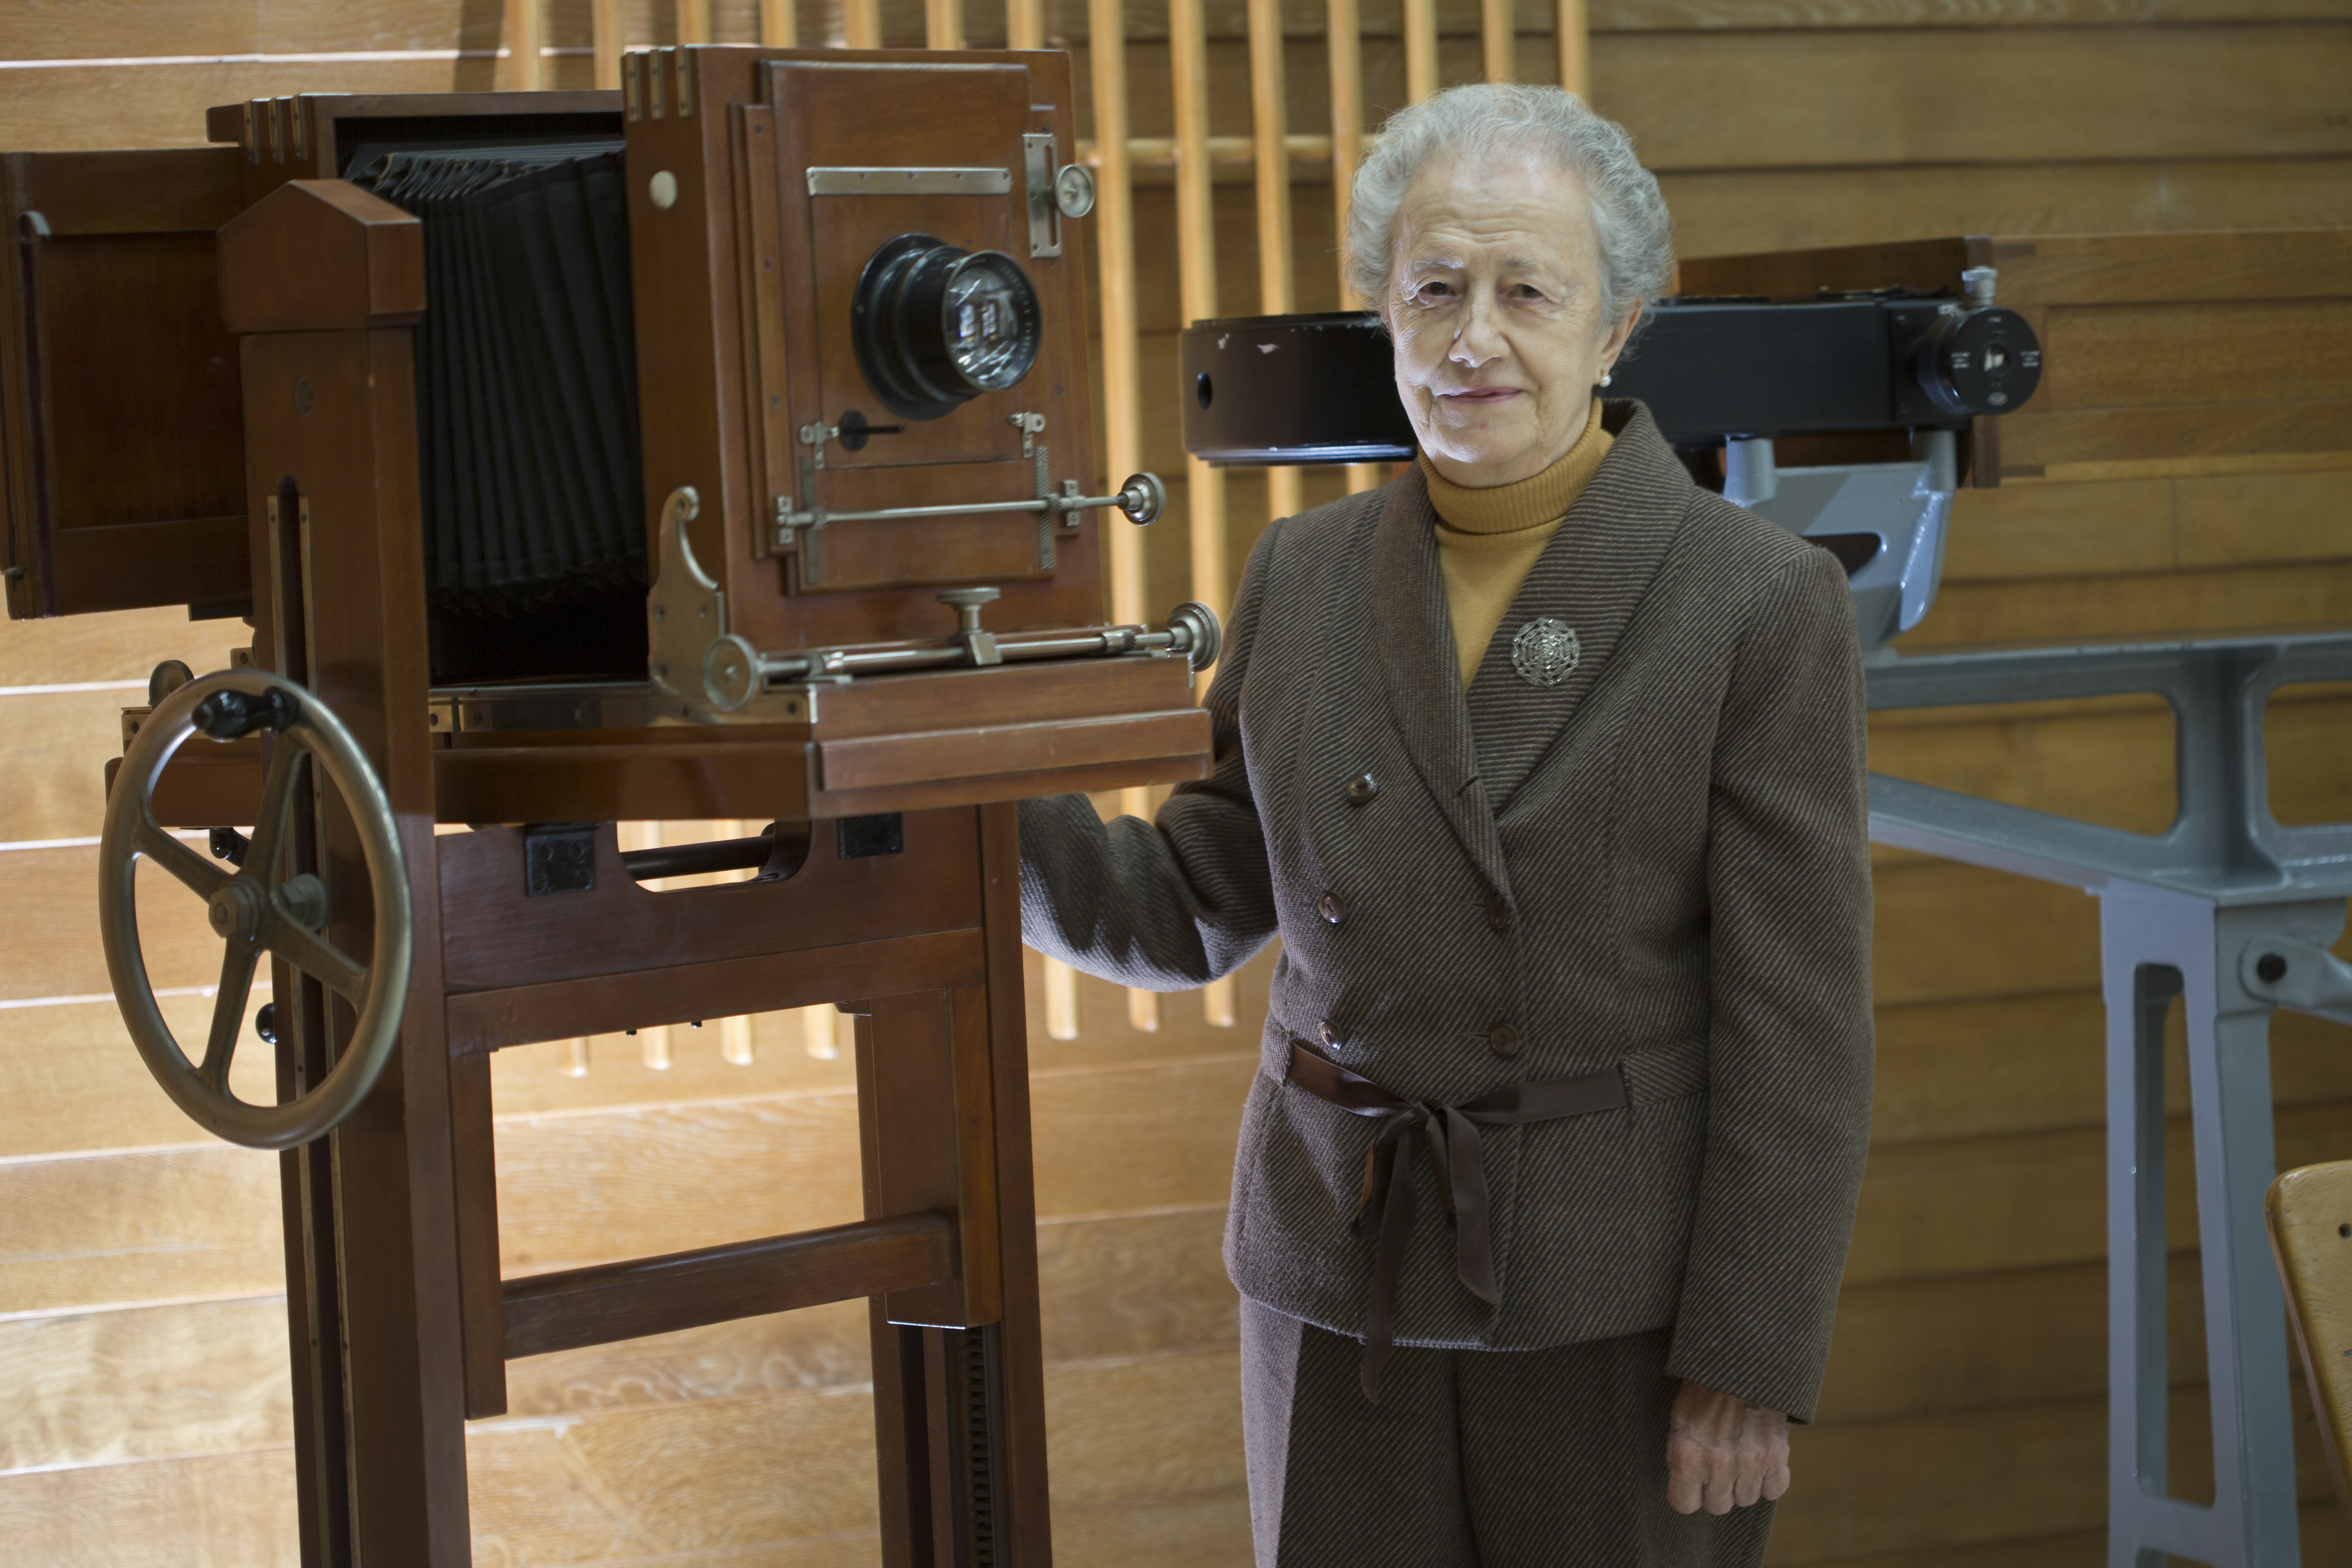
x=2229, y=913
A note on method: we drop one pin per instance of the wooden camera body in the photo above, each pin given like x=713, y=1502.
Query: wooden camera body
x=643, y=525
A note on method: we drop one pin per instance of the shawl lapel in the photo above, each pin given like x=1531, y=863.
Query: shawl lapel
x=1593, y=576
x=1413, y=640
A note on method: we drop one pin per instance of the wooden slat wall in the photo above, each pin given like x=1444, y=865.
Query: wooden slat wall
x=139, y=1330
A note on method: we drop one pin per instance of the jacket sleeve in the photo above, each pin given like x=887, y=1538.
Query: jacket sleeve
x=1172, y=904
x=1790, y=1042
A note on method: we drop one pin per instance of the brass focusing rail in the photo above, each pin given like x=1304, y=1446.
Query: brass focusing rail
x=1191, y=630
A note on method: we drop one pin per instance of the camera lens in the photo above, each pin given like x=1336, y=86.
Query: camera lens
x=935, y=325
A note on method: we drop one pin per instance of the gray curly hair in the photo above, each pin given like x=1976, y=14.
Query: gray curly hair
x=1484, y=120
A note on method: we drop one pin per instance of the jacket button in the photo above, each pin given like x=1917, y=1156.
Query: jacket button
x=1329, y=908
x=1503, y=1040
x=1330, y=1035
x=1498, y=916
x=1361, y=788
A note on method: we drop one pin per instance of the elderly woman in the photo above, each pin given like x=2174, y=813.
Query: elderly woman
x=1547, y=766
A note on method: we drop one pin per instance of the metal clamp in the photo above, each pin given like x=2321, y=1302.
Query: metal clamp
x=979, y=646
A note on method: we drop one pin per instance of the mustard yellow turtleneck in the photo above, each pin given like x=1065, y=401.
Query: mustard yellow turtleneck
x=1487, y=540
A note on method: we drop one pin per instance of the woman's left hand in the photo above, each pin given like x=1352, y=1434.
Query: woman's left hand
x=1722, y=1452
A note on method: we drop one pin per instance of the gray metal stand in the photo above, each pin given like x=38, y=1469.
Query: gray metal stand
x=2229, y=913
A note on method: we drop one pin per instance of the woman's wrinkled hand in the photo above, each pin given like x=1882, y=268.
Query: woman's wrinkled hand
x=1722, y=1452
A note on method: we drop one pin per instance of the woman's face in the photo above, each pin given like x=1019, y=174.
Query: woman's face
x=1493, y=302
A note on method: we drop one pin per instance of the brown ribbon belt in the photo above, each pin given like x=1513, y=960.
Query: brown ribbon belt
x=1452, y=1134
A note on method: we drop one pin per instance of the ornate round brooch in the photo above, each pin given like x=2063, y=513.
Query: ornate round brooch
x=1545, y=651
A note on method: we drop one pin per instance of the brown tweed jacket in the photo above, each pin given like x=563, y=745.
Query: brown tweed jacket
x=1661, y=861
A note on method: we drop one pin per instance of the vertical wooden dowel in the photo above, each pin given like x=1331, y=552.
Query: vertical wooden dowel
x=1497, y=39
x=1024, y=24
x=861, y=23
x=1196, y=261
x=1114, y=237
x=576, y=1058
x=608, y=34
x=1196, y=265
x=818, y=1037
x=1574, y=38
x=1344, y=42
x=1061, y=1000
x=735, y=1041
x=524, y=34
x=1270, y=131
x=942, y=23
x=1346, y=50
x=1419, y=49
x=1276, y=289
x=780, y=24
x=653, y=1047
x=694, y=21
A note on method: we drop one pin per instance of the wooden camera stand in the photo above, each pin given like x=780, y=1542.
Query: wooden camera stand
x=889, y=882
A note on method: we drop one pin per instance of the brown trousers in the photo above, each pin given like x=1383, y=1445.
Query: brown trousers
x=1547, y=1458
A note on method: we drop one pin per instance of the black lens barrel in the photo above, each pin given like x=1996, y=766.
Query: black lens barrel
x=901, y=326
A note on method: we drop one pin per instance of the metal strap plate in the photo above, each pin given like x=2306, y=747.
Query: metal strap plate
x=839, y=181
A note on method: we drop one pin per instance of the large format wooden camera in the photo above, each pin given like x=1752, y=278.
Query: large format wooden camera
x=716, y=448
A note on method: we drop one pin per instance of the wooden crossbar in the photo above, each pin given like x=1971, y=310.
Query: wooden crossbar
x=643, y=1296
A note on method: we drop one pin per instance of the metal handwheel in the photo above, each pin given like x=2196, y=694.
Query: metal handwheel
x=251, y=908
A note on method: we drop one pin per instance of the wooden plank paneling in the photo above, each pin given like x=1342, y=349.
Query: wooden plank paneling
x=219, y=1511
x=121, y=644
x=1947, y=932
x=144, y=29
x=1735, y=211
x=49, y=928
x=2043, y=530
x=1138, y=1285
x=164, y=106
x=1161, y=1137
x=2260, y=519
x=2060, y=608
x=74, y=1082
x=672, y=1478
x=1969, y=1342
x=139, y=1228
x=96, y=1388
x=1794, y=99
x=1194, y=1532
x=1863, y=1489
x=2017, y=1064
x=2134, y=356
x=2029, y=1199
x=202, y=1377
x=56, y=786
x=2109, y=763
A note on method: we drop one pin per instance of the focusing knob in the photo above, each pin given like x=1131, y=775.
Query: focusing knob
x=227, y=715
x=1143, y=498
x=1193, y=629
x=1074, y=189
x=1980, y=363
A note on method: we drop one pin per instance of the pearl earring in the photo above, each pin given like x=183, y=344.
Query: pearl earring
x=1604, y=378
